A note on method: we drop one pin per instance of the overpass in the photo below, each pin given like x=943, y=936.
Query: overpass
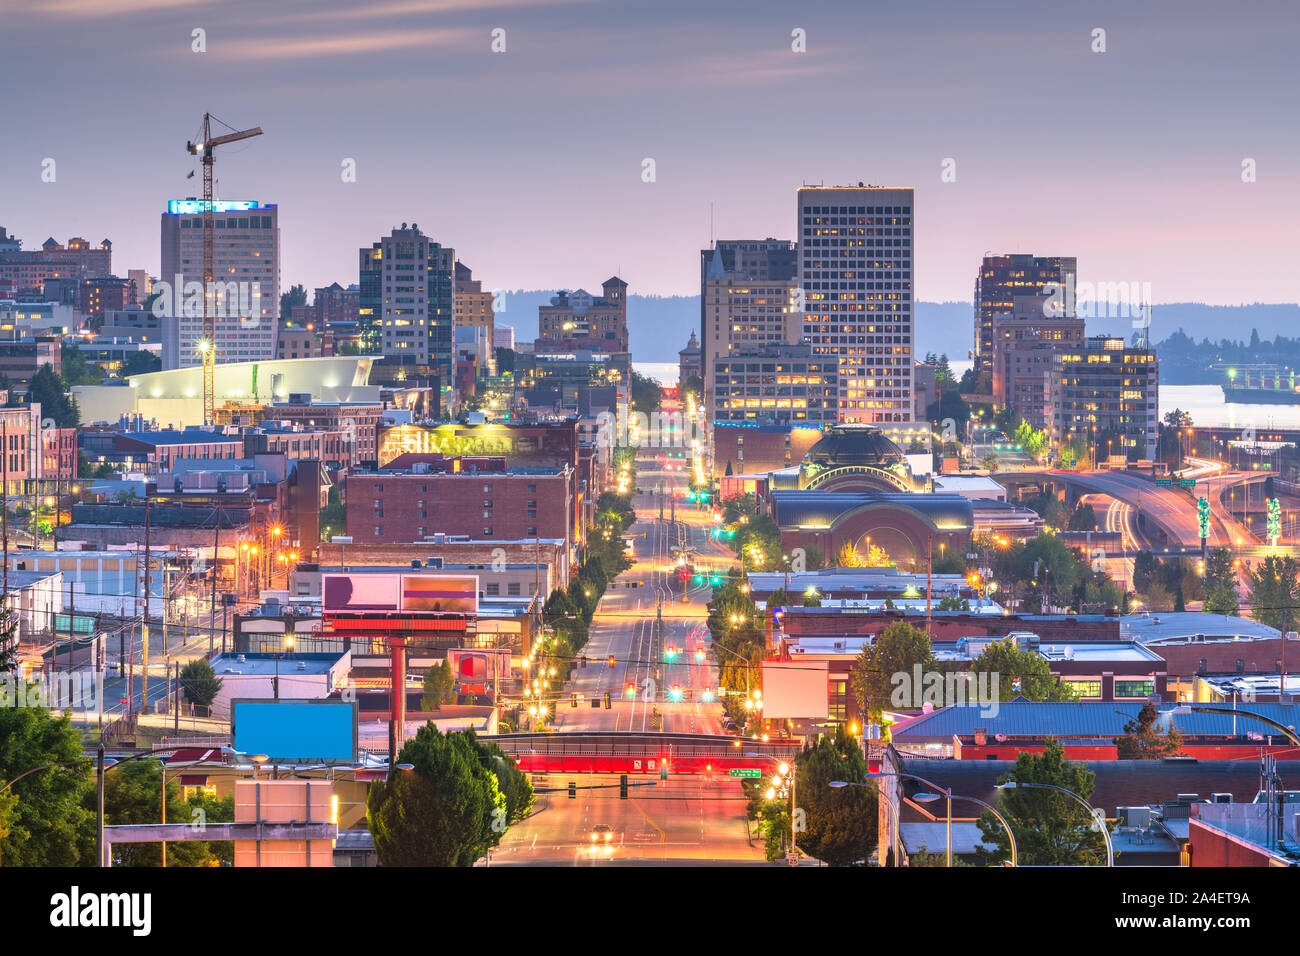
x=639, y=752
x=1171, y=510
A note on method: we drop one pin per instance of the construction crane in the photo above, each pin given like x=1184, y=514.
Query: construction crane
x=208, y=345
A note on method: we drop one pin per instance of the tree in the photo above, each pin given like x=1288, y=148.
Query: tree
x=76, y=371
x=1143, y=741
x=296, y=295
x=8, y=640
x=139, y=363
x=200, y=682
x=47, y=389
x=1051, y=828
x=1084, y=518
x=839, y=823
x=646, y=393
x=447, y=811
x=44, y=818
x=1021, y=673
x=1274, y=591
x=1145, y=565
x=989, y=463
x=1220, y=583
x=896, y=650
x=133, y=796
x=439, y=686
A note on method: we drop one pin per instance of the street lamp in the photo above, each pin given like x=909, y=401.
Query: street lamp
x=783, y=769
x=1098, y=819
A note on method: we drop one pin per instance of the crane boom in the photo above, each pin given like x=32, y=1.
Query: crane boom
x=208, y=345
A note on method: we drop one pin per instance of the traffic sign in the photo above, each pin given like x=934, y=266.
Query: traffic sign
x=1164, y=482
x=751, y=773
x=1187, y=483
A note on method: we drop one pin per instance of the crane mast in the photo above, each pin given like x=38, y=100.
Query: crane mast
x=208, y=344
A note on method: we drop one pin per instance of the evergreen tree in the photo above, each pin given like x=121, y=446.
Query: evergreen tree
x=1051, y=828
x=1143, y=740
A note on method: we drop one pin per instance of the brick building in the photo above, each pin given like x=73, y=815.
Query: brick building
x=360, y=419
x=384, y=507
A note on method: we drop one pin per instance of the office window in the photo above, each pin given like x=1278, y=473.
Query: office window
x=1134, y=688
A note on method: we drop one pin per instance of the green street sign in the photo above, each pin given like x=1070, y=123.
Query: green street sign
x=1164, y=482
x=1187, y=483
x=752, y=773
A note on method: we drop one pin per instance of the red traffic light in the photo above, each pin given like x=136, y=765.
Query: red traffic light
x=631, y=689
x=611, y=661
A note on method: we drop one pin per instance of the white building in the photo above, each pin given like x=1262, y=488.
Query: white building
x=245, y=275
x=855, y=273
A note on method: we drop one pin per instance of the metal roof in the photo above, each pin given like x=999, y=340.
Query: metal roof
x=1179, y=626
x=1086, y=719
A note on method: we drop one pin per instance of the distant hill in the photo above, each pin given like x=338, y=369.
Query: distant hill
x=660, y=325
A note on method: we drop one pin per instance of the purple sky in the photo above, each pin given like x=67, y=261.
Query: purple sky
x=529, y=162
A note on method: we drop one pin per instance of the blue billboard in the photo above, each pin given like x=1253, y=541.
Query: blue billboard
x=295, y=731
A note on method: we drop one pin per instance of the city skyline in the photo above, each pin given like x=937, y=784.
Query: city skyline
x=585, y=92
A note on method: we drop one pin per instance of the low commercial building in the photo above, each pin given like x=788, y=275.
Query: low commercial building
x=385, y=507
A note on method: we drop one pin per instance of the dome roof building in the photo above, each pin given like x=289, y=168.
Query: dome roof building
x=855, y=458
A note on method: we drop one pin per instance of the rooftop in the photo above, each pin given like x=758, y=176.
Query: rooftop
x=1181, y=626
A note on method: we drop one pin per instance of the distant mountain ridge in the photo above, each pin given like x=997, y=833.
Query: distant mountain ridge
x=660, y=325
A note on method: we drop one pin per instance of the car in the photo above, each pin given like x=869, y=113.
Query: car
x=601, y=832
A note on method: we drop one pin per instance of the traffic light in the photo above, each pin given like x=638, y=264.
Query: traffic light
x=609, y=703
x=573, y=700
x=699, y=654
x=611, y=661
x=622, y=787
x=573, y=790
x=630, y=691
x=675, y=692
x=1203, y=516
x=699, y=579
x=670, y=653
x=1274, y=519
x=715, y=580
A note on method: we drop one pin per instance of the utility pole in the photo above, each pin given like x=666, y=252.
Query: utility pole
x=144, y=627
x=212, y=612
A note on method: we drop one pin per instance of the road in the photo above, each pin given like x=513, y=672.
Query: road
x=680, y=820
x=700, y=818
x=624, y=627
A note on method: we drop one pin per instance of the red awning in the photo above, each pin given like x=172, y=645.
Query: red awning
x=194, y=780
x=195, y=754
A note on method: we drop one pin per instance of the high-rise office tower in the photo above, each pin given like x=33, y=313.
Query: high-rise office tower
x=744, y=312
x=1000, y=280
x=408, y=298
x=856, y=279
x=245, y=276
x=762, y=261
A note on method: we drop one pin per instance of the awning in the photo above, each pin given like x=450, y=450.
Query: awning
x=194, y=780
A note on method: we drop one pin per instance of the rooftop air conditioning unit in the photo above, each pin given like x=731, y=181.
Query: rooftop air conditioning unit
x=1221, y=798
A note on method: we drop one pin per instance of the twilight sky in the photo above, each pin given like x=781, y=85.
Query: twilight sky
x=529, y=162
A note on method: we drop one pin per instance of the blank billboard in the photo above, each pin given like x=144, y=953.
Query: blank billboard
x=439, y=592
x=295, y=730
x=796, y=690
x=361, y=592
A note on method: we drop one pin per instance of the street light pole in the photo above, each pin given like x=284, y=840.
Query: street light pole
x=1092, y=811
